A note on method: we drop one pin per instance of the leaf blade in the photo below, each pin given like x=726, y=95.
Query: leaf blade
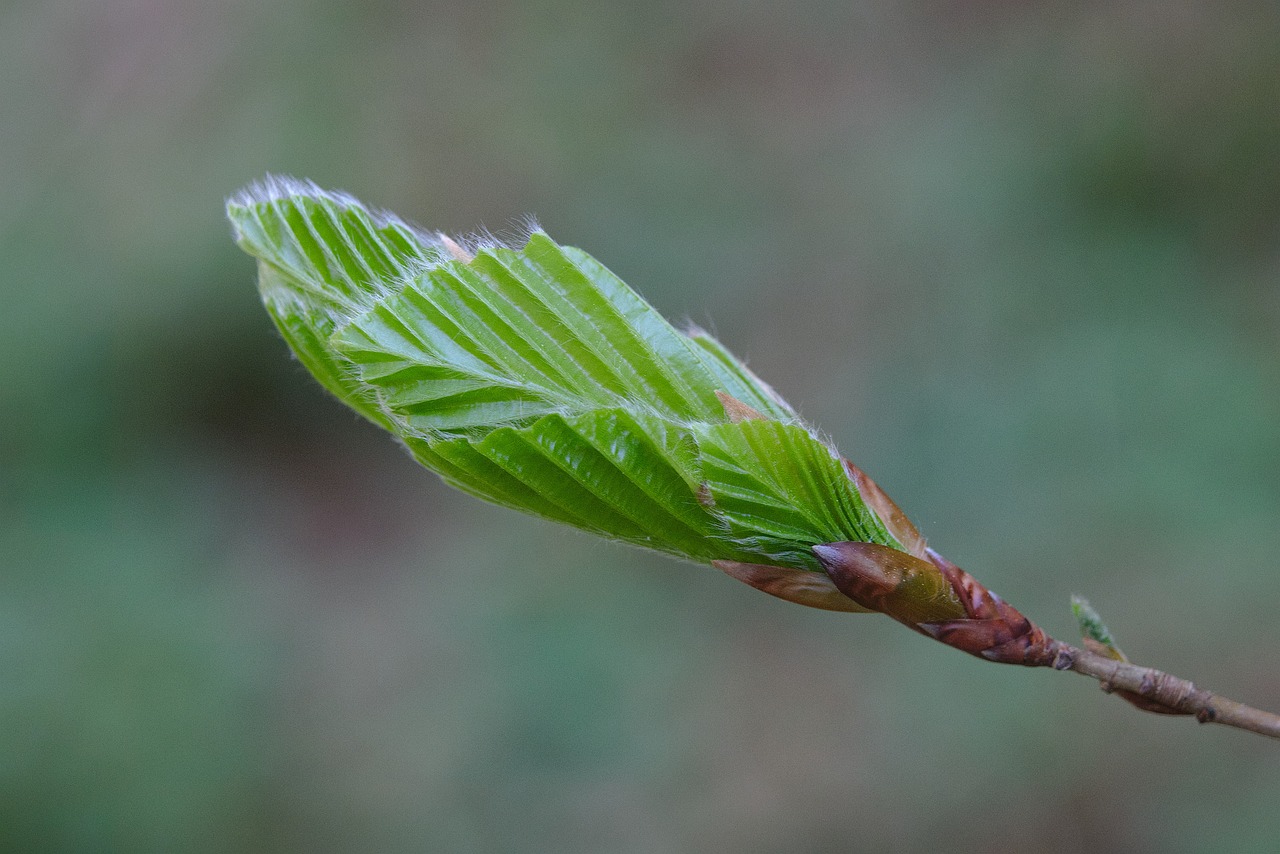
x=535, y=378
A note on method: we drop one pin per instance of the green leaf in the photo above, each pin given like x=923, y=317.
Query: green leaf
x=320, y=257
x=781, y=491
x=327, y=247
x=307, y=330
x=533, y=377
x=512, y=335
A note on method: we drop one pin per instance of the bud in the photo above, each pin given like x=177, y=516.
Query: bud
x=910, y=590
x=936, y=598
x=1098, y=640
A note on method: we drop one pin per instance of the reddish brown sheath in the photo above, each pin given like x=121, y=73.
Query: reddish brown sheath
x=895, y=521
x=801, y=586
x=937, y=598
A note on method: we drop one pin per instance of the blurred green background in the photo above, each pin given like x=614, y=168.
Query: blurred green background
x=1022, y=261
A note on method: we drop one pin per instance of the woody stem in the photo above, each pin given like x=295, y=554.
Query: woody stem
x=1177, y=695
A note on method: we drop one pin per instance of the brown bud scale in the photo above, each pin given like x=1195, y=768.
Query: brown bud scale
x=939, y=599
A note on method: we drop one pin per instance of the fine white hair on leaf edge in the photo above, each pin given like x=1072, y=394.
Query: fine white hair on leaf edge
x=273, y=188
x=277, y=188
x=482, y=239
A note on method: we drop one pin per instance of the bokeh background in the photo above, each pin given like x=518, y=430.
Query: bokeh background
x=1022, y=261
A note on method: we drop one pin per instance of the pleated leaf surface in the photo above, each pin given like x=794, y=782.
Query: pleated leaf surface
x=533, y=377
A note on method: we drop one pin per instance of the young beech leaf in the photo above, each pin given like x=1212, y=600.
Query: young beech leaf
x=532, y=377
x=529, y=375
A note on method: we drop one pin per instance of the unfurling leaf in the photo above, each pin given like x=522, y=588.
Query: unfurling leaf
x=532, y=377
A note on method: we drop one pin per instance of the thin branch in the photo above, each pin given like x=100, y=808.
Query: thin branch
x=1165, y=693
x=975, y=620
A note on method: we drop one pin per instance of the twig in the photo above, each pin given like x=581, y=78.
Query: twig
x=913, y=590
x=1168, y=694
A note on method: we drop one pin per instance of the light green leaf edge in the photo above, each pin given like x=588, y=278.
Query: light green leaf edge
x=534, y=378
